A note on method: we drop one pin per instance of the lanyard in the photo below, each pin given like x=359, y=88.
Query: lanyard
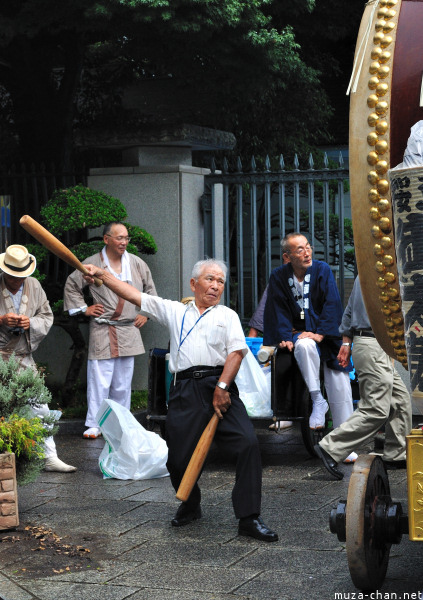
x=182, y=339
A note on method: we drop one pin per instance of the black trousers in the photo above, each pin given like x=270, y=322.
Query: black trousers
x=190, y=409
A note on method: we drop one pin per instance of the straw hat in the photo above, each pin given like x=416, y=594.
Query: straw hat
x=17, y=261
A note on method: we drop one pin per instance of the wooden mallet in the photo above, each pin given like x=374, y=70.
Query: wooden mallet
x=54, y=245
x=196, y=463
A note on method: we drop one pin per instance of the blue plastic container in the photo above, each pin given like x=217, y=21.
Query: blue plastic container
x=254, y=344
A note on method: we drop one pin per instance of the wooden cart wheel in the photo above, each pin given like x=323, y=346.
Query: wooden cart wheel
x=367, y=546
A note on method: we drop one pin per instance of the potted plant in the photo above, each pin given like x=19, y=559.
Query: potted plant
x=21, y=434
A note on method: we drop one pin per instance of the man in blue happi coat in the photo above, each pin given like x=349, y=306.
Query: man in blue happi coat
x=302, y=314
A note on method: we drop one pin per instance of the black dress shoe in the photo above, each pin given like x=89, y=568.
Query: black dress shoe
x=184, y=515
x=254, y=527
x=392, y=465
x=328, y=462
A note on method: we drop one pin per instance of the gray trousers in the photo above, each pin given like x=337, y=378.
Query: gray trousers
x=384, y=400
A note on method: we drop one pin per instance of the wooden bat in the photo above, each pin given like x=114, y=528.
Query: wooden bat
x=195, y=465
x=54, y=245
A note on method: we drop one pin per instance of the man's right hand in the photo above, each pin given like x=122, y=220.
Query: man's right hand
x=95, y=310
x=289, y=345
x=344, y=356
x=92, y=271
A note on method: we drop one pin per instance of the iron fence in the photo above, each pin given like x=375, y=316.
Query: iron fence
x=261, y=206
x=28, y=188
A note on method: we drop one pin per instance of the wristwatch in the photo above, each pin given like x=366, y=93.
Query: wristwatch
x=345, y=344
x=222, y=385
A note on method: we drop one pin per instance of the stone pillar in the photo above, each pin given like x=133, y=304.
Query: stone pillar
x=9, y=515
x=161, y=191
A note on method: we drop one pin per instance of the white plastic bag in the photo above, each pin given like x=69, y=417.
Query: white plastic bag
x=130, y=452
x=254, y=387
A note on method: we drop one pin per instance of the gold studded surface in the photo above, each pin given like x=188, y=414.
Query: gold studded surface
x=369, y=165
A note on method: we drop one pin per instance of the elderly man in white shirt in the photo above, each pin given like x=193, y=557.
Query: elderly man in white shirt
x=207, y=345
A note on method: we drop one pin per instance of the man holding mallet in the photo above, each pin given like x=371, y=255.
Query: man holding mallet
x=207, y=345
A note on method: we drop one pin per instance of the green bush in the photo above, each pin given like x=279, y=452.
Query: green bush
x=80, y=207
x=20, y=431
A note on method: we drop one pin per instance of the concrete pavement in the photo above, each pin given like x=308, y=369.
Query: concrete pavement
x=134, y=553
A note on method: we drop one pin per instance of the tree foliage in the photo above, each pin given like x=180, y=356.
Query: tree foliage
x=229, y=64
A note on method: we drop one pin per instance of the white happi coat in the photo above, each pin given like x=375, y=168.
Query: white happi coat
x=111, y=341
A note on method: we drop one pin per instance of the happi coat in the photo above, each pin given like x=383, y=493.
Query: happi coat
x=323, y=315
x=34, y=304
x=105, y=340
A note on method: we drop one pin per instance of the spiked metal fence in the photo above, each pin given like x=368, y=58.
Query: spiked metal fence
x=261, y=206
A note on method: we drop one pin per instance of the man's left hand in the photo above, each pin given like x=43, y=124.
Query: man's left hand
x=221, y=401
x=313, y=336
x=140, y=320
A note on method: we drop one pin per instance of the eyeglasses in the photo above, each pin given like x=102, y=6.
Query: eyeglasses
x=301, y=251
x=119, y=238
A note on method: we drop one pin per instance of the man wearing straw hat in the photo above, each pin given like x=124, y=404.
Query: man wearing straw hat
x=25, y=319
